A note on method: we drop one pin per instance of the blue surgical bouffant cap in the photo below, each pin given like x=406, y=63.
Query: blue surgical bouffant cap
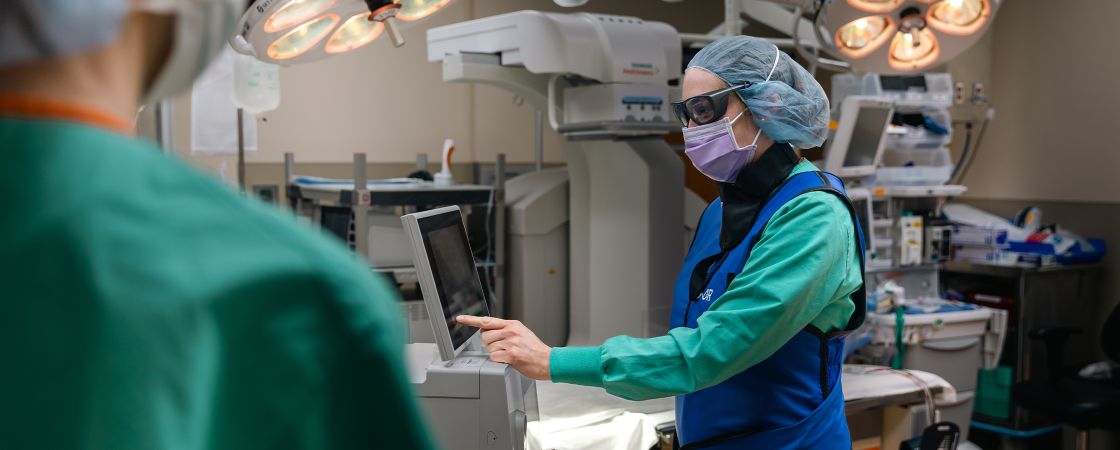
x=791, y=107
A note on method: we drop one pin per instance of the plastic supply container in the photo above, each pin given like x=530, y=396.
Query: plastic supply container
x=907, y=137
x=958, y=412
x=955, y=359
x=915, y=167
x=994, y=256
x=926, y=157
x=922, y=327
x=932, y=90
x=913, y=176
x=937, y=92
x=948, y=344
x=1078, y=254
x=979, y=236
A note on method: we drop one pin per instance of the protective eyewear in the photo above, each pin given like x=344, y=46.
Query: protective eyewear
x=705, y=108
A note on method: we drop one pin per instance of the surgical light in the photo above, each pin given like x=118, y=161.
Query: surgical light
x=960, y=17
x=418, y=9
x=913, y=50
x=875, y=6
x=303, y=38
x=863, y=35
x=295, y=13
x=288, y=32
x=895, y=36
x=356, y=32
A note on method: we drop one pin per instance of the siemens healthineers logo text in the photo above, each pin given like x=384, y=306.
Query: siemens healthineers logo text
x=640, y=69
x=263, y=6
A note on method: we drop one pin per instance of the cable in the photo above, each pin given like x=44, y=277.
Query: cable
x=976, y=148
x=927, y=396
x=964, y=153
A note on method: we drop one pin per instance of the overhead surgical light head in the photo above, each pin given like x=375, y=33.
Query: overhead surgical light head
x=894, y=36
x=288, y=32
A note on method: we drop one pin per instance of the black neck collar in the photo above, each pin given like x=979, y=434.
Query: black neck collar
x=755, y=183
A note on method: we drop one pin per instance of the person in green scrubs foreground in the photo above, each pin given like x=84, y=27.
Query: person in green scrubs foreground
x=148, y=306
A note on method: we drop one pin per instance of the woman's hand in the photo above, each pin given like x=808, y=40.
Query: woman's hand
x=510, y=342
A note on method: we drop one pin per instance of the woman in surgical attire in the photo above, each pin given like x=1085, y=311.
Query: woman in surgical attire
x=771, y=284
x=147, y=306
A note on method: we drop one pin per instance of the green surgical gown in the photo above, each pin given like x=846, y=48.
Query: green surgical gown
x=147, y=306
x=801, y=272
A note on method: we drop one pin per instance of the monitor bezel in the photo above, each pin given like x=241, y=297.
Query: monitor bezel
x=849, y=114
x=426, y=276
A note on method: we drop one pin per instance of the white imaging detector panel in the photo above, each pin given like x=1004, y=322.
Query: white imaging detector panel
x=623, y=64
x=857, y=147
x=604, y=48
x=448, y=278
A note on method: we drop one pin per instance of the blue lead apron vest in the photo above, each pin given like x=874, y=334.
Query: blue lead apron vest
x=790, y=400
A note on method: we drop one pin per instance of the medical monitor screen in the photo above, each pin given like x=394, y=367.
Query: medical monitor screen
x=870, y=125
x=456, y=279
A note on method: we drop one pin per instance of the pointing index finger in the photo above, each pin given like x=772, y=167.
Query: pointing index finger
x=485, y=323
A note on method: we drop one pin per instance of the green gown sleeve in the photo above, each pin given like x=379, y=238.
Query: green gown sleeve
x=801, y=272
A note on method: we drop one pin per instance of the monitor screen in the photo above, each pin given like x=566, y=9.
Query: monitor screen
x=453, y=268
x=871, y=123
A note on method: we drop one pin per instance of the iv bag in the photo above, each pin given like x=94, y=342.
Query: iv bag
x=256, y=84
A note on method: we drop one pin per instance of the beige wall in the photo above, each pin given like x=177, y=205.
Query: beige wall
x=1054, y=73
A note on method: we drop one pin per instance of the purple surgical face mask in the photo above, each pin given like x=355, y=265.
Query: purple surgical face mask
x=712, y=147
x=714, y=152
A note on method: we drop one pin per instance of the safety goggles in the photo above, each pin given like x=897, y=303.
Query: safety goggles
x=705, y=108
